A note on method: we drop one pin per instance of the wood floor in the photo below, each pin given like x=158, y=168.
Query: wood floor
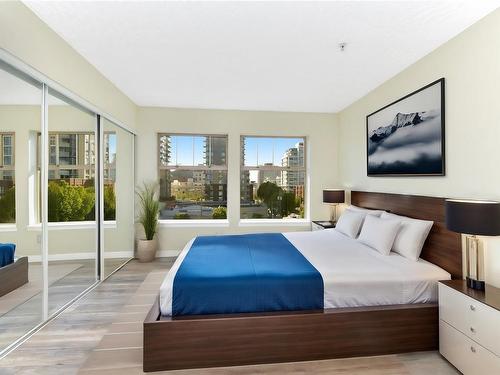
x=21, y=310
x=102, y=334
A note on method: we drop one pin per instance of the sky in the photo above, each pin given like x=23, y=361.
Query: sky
x=112, y=146
x=258, y=150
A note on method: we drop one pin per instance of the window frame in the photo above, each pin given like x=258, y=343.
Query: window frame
x=222, y=168
x=275, y=168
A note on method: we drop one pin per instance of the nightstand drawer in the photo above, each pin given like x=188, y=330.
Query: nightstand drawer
x=476, y=320
x=454, y=308
x=465, y=354
x=484, y=327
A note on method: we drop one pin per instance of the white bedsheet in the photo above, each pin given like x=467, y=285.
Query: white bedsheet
x=353, y=273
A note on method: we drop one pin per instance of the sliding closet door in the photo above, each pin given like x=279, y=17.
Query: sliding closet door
x=118, y=193
x=72, y=225
x=21, y=280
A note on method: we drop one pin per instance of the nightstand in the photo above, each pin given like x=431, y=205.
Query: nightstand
x=469, y=327
x=320, y=225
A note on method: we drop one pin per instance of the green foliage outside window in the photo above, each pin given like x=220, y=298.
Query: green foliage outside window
x=77, y=203
x=219, y=213
x=280, y=203
x=109, y=203
x=69, y=203
x=8, y=206
x=181, y=215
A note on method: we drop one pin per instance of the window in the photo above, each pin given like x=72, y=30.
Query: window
x=272, y=179
x=193, y=176
x=72, y=163
x=7, y=174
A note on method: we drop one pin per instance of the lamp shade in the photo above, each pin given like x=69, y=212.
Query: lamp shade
x=333, y=196
x=473, y=217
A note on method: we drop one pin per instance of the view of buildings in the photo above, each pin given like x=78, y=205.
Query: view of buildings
x=288, y=175
x=192, y=182
x=6, y=162
x=72, y=157
x=72, y=163
x=193, y=178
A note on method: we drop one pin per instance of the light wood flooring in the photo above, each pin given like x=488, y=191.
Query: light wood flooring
x=21, y=310
x=102, y=334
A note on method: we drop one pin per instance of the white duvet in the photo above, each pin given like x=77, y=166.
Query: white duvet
x=353, y=273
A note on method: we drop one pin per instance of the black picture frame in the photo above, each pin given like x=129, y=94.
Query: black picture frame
x=413, y=173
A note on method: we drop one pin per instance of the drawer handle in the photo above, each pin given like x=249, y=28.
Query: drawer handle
x=472, y=329
x=473, y=308
x=472, y=349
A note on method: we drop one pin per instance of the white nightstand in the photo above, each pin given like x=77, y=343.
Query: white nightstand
x=320, y=225
x=469, y=327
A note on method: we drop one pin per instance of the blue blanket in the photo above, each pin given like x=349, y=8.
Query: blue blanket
x=245, y=273
x=7, y=254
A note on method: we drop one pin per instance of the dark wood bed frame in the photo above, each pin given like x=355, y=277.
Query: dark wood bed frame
x=13, y=276
x=244, y=339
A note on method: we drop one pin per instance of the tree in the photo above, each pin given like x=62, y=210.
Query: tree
x=289, y=203
x=69, y=203
x=8, y=206
x=219, y=213
x=269, y=192
x=109, y=203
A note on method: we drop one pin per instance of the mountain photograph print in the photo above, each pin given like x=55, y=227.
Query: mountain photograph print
x=406, y=138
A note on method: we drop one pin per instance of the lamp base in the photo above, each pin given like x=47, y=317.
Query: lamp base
x=475, y=284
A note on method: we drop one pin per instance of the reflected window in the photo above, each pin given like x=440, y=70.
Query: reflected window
x=7, y=174
x=193, y=176
x=71, y=186
x=272, y=178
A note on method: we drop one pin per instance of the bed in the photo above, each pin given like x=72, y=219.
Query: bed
x=371, y=308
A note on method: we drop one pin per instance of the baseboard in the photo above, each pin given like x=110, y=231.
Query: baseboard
x=107, y=255
x=83, y=255
x=167, y=253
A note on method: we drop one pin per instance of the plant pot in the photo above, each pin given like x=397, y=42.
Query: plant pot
x=146, y=250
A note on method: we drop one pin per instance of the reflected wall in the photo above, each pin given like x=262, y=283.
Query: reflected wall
x=118, y=196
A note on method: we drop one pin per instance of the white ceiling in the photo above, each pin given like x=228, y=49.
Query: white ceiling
x=279, y=56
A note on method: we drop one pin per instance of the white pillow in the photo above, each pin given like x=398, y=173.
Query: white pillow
x=379, y=233
x=350, y=223
x=366, y=211
x=411, y=236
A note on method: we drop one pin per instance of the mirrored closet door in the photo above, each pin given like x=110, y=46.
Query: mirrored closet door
x=21, y=271
x=118, y=195
x=72, y=196
x=66, y=199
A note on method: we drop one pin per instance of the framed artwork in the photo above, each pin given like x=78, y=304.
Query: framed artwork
x=406, y=137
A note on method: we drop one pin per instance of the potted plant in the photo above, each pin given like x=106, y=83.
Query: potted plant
x=148, y=200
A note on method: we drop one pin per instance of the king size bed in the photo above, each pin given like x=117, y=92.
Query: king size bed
x=282, y=297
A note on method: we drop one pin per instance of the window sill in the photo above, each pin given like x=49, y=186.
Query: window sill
x=274, y=223
x=72, y=225
x=186, y=223
x=8, y=228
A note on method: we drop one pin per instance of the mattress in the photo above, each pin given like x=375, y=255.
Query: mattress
x=353, y=274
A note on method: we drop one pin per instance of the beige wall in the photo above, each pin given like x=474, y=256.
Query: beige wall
x=320, y=130
x=470, y=64
x=25, y=36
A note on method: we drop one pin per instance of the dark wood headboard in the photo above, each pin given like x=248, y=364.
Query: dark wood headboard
x=443, y=247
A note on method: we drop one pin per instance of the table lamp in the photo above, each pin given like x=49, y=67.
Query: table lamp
x=473, y=217
x=334, y=197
